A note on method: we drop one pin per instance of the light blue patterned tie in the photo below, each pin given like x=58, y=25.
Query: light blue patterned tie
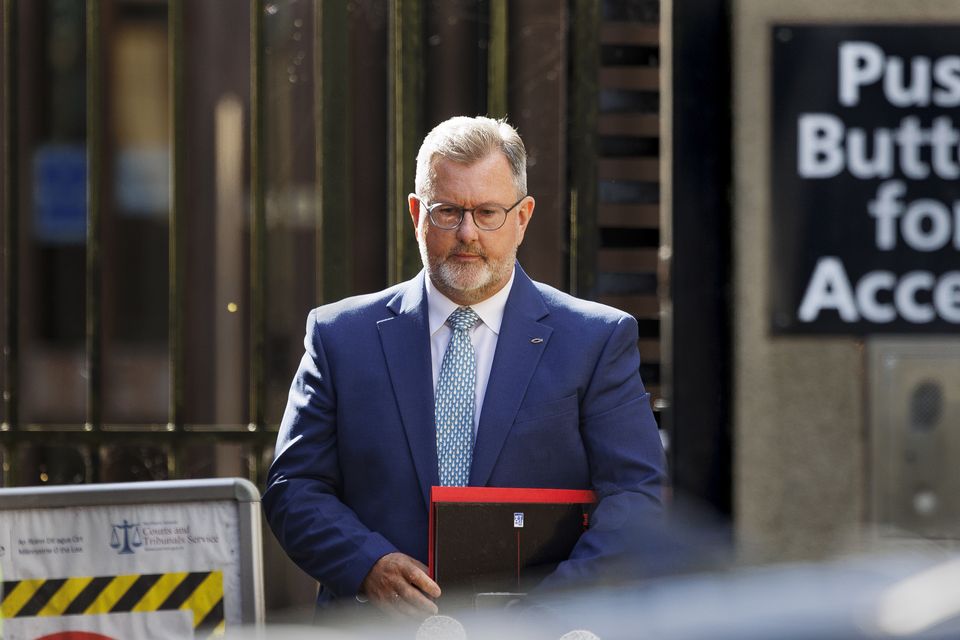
x=456, y=396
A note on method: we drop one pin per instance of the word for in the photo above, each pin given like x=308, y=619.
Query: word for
x=925, y=224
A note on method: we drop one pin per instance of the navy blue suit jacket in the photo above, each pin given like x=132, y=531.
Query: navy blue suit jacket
x=356, y=454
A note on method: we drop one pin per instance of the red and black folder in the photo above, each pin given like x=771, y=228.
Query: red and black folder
x=491, y=539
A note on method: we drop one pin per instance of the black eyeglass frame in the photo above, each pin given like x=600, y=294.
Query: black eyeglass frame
x=463, y=213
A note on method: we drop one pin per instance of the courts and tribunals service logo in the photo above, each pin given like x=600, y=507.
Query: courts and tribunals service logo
x=126, y=537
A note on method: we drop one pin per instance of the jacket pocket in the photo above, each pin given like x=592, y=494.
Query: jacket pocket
x=551, y=409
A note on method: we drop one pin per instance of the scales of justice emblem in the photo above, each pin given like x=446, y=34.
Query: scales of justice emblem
x=130, y=541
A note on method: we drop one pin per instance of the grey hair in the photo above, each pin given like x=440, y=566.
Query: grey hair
x=467, y=140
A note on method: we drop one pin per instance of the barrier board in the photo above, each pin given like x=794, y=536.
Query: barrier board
x=151, y=560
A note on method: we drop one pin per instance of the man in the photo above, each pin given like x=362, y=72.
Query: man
x=470, y=373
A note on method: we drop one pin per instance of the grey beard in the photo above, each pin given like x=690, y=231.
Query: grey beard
x=470, y=283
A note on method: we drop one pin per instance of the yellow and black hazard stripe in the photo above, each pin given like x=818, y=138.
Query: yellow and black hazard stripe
x=199, y=592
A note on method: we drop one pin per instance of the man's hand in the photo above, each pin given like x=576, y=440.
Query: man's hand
x=399, y=584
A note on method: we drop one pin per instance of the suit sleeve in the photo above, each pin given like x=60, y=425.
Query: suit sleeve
x=626, y=460
x=302, y=501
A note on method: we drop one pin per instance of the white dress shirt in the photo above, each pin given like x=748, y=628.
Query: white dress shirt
x=483, y=335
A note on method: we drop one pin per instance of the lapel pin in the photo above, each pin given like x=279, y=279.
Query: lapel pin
x=536, y=340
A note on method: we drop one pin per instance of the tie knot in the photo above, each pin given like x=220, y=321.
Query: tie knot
x=463, y=318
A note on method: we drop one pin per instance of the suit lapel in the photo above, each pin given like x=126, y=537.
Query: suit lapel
x=520, y=344
x=406, y=347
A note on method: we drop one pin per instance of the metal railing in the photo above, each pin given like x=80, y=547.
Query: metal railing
x=333, y=224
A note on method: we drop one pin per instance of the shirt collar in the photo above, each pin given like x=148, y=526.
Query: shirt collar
x=439, y=306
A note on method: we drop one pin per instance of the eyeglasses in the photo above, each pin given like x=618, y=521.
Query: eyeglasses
x=487, y=216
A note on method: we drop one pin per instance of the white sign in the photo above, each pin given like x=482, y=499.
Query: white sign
x=136, y=566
